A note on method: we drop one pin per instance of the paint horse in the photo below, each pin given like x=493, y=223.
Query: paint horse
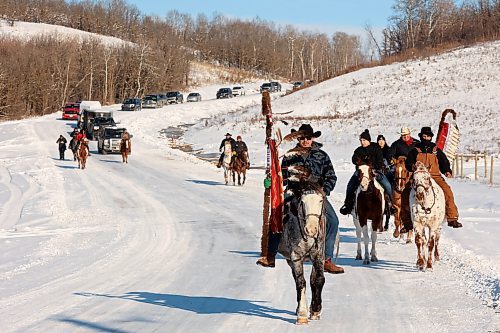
x=369, y=205
x=401, y=179
x=427, y=205
x=304, y=237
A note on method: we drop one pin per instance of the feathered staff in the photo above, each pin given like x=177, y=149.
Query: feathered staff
x=273, y=192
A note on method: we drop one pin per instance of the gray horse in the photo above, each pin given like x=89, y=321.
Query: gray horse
x=304, y=237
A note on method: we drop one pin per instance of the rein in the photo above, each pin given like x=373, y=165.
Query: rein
x=427, y=210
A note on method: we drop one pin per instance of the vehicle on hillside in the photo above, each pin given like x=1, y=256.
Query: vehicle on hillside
x=152, y=101
x=96, y=123
x=132, y=104
x=276, y=85
x=273, y=86
x=194, y=97
x=175, y=97
x=239, y=91
x=71, y=111
x=86, y=117
x=298, y=85
x=109, y=139
x=224, y=93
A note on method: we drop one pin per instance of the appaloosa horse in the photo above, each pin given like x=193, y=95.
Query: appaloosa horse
x=226, y=162
x=401, y=178
x=83, y=153
x=125, y=149
x=427, y=205
x=369, y=205
x=304, y=237
x=239, y=167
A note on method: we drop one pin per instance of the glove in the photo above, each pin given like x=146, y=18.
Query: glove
x=234, y=153
x=267, y=182
x=448, y=175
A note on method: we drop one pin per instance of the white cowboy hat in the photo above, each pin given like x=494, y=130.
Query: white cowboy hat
x=405, y=130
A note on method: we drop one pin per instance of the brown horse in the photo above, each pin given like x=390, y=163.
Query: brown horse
x=401, y=178
x=125, y=149
x=239, y=166
x=83, y=153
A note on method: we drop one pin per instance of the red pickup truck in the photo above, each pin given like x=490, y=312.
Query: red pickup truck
x=70, y=111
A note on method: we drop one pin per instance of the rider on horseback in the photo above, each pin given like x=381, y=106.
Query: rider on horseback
x=436, y=162
x=367, y=152
x=221, y=148
x=81, y=138
x=241, y=148
x=308, y=155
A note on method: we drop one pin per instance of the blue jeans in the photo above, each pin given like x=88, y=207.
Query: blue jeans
x=332, y=228
x=353, y=184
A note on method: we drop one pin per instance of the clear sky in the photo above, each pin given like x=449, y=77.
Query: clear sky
x=326, y=16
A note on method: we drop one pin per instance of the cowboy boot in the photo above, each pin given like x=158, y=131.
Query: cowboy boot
x=453, y=222
x=330, y=267
x=268, y=261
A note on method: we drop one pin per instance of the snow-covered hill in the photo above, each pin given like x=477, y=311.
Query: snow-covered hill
x=161, y=245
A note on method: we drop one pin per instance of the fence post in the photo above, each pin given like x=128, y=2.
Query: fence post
x=462, y=166
x=491, y=171
x=457, y=167
x=485, y=165
x=475, y=166
x=453, y=167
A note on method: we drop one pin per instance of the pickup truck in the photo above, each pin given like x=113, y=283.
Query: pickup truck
x=109, y=139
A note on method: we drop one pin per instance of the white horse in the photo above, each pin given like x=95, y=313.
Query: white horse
x=226, y=162
x=427, y=205
x=369, y=205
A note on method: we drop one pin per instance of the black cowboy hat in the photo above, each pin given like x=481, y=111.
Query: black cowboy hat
x=307, y=130
x=427, y=131
x=228, y=134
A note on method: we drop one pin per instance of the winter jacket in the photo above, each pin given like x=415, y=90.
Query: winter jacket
x=62, y=143
x=372, y=154
x=223, y=143
x=315, y=161
x=427, y=148
x=401, y=148
x=240, y=147
x=385, y=154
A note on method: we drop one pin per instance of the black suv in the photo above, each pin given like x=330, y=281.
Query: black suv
x=132, y=104
x=174, y=97
x=224, y=93
x=273, y=86
x=95, y=124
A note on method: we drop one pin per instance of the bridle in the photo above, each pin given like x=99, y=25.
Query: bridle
x=415, y=186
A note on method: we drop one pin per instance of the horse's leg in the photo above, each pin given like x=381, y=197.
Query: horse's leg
x=234, y=177
x=239, y=179
x=317, y=283
x=373, y=252
x=419, y=241
x=244, y=175
x=366, y=239
x=436, y=243
x=409, y=237
x=358, y=236
x=430, y=247
x=297, y=266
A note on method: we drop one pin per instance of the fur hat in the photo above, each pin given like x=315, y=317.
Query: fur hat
x=405, y=130
x=307, y=130
x=365, y=135
x=381, y=137
x=427, y=131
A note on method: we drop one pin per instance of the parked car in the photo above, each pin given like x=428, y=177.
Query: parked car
x=70, y=111
x=298, y=85
x=174, y=97
x=239, y=91
x=194, y=97
x=276, y=85
x=109, y=139
x=152, y=101
x=97, y=123
x=224, y=93
x=132, y=104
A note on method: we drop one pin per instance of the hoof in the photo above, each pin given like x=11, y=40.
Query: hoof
x=420, y=264
x=302, y=321
x=374, y=259
x=358, y=257
x=366, y=262
x=408, y=241
x=315, y=316
x=396, y=233
x=436, y=258
x=429, y=266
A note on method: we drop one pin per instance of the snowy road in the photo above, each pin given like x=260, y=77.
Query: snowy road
x=160, y=245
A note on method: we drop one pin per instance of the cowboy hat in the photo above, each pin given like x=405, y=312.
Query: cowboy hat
x=405, y=130
x=307, y=130
x=228, y=134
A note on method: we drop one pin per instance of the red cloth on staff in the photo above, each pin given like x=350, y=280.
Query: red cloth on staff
x=277, y=198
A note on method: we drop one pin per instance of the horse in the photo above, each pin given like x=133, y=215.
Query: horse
x=239, y=167
x=304, y=237
x=83, y=153
x=401, y=178
x=73, y=145
x=125, y=149
x=226, y=162
x=427, y=204
x=369, y=205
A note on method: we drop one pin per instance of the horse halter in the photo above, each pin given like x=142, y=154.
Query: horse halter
x=429, y=209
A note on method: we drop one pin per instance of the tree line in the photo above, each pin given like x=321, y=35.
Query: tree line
x=39, y=75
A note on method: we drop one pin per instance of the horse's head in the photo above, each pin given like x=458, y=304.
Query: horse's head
x=310, y=207
x=421, y=181
x=228, y=150
x=401, y=175
x=365, y=176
